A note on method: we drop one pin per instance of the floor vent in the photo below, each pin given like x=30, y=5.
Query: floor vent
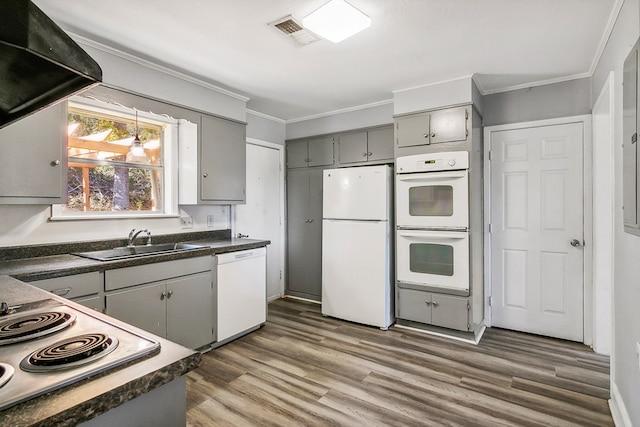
x=294, y=31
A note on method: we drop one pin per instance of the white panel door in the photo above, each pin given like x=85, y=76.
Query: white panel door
x=259, y=218
x=356, y=193
x=537, y=230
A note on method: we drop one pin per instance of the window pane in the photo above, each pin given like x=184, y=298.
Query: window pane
x=431, y=200
x=102, y=137
x=109, y=188
x=431, y=258
x=109, y=169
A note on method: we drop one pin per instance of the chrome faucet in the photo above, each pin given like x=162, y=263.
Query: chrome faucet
x=133, y=234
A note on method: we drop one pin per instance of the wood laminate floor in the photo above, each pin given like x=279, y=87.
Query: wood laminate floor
x=303, y=369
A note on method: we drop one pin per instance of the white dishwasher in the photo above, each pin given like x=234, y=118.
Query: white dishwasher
x=242, y=292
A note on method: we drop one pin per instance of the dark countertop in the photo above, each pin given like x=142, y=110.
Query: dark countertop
x=46, y=267
x=91, y=397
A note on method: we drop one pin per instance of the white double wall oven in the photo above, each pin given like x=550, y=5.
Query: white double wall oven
x=432, y=218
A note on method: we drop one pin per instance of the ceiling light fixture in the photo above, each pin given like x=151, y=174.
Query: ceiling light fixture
x=136, y=152
x=336, y=21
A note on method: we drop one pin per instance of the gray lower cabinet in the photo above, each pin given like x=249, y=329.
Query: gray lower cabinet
x=310, y=152
x=36, y=144
x=447, y=311
x=304, y=230
x=366, y=146
x=85, y=288
x=172, y=299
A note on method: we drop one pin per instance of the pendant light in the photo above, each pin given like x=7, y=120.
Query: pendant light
x=136, y=152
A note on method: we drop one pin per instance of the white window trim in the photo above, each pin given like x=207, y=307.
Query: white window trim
x=170, y=164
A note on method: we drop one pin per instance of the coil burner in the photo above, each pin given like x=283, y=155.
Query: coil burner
x=6, y=372
x=32, y=326
x=69, y=353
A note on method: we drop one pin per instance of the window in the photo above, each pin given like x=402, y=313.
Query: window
x=110, y=174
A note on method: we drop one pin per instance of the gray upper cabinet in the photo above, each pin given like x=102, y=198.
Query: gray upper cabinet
x=433, y=127
x=35, y=162
x=222, y=161
x=310, y=153
x=366, y=146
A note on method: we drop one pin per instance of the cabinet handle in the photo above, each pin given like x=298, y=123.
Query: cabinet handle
x=61, y=292
x=169, y=294
x=364, y=154
x=435, y=304
x=426, y=135
x=428, y=303
x=55, y=162
x=310, y=220
x=163, y=295
x=370, y=153
x=205, y=175
x=433, y=135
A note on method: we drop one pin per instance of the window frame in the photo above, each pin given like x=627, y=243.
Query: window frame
x=169, y=163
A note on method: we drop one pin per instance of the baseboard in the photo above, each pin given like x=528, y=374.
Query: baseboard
x=274, y=297
x=619, y=412
x=301, y=299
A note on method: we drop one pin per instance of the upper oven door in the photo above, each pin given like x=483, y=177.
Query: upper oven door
x=433, y=200
x=433, y=260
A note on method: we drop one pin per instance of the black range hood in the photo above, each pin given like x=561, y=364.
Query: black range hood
x=39, y=63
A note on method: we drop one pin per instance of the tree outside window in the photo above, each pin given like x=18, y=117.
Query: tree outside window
x=100, y=178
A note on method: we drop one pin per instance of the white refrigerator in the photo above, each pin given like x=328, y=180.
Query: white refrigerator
x=357, y=274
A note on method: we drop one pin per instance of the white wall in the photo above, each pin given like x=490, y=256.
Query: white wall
x=626, y=286
x=265, y=128
x=564, y=99
x=356, y=118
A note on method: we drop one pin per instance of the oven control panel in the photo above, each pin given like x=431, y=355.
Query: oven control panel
x=431, y=162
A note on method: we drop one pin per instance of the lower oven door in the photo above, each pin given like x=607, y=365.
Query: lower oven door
x=433, y=260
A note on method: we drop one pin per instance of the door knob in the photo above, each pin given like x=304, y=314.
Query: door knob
x=575, y=242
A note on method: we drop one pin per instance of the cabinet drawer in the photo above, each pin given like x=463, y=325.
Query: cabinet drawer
x=95, y=302
x=139, y=274
x=74, y=286
x=414, y=305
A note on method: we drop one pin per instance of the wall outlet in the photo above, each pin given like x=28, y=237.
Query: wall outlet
x=211, y=221
x=186, y=222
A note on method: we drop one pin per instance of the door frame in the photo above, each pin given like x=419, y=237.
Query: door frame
x=281, y=208
x=587, y=183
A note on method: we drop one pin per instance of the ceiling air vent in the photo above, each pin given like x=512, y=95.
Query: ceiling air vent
x=294, y=31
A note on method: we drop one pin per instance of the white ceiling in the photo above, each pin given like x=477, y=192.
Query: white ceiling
x=506, y=43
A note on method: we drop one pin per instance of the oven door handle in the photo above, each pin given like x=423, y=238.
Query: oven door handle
x=437, y=235
x=432, y=176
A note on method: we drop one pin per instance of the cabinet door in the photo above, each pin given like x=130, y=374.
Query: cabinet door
x=414, y=305
x=190, y=314
x=380, y=144
x=448, y=125
x=142, y=306
x=352, y=147
x=450, y=312
x=222, y=161
x=297, y=222
x=304, y=227
x=321, y=151
x=412, y=130
x=34, y=156
x=297, y=154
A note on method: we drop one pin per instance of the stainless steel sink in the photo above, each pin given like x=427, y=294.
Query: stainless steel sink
x=125, y=252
